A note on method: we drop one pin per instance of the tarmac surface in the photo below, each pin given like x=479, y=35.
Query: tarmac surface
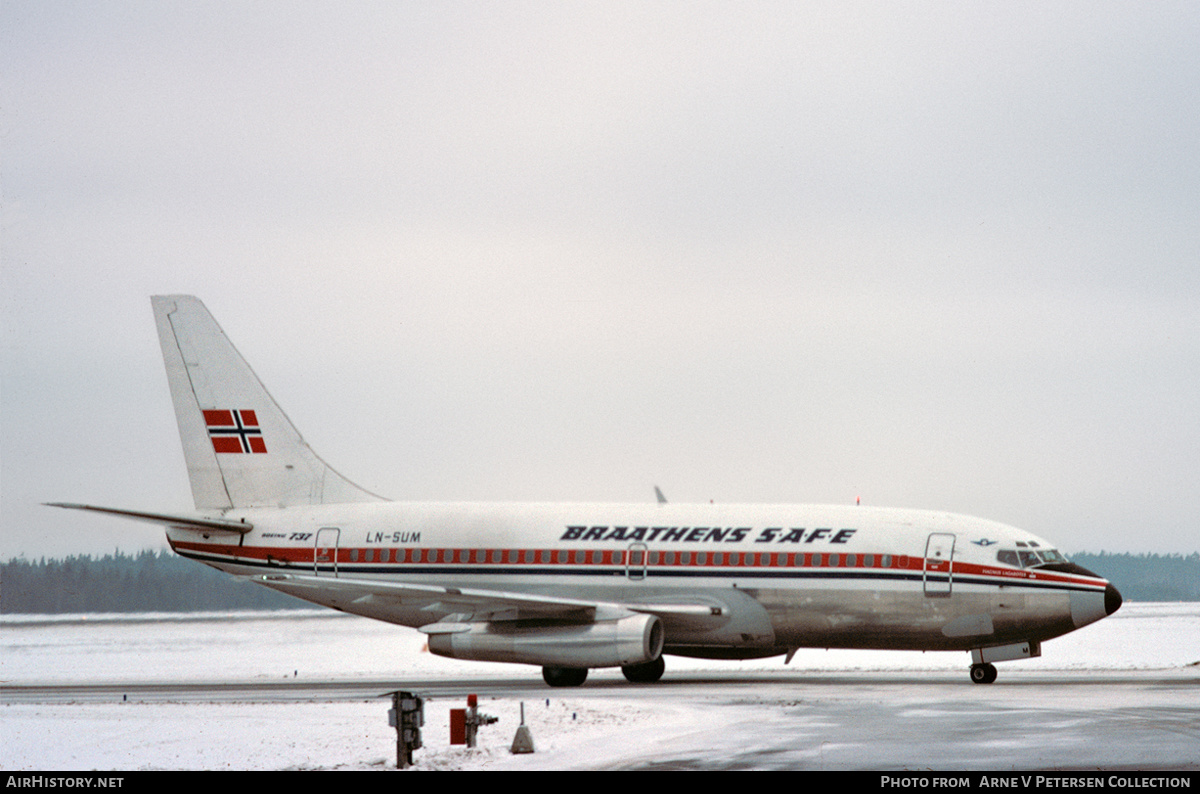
x=728, y=720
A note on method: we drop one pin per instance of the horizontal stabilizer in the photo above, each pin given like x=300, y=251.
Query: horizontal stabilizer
x=181, y=522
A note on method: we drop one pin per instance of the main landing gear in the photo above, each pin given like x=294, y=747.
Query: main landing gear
x=564, y=676
x=983, y=673
x=646, y=673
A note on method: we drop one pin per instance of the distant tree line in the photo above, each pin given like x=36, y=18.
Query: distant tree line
x=154, y=582
x=145, y=582
x=1147, y=577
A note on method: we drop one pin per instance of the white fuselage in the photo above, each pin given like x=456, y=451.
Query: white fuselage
x=783, y=576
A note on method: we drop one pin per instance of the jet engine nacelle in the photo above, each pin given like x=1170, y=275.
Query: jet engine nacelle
x=634, y=639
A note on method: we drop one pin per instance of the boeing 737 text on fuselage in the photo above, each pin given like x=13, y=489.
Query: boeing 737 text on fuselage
x=570, y=587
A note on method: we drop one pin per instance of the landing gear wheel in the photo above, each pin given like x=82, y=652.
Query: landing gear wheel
x=646, y=673
x=564, y=676
x=983, y=673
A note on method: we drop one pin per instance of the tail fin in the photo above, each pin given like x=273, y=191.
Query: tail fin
x=241, y=450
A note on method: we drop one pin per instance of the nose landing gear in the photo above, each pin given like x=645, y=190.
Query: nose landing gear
x=983, y=673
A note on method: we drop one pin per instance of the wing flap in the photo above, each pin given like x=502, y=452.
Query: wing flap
x=476, y=604
x=436, y=598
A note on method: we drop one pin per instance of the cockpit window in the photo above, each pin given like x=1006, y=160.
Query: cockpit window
x=1028, y=558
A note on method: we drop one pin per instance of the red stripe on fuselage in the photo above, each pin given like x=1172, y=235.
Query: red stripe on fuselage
x=656, y=560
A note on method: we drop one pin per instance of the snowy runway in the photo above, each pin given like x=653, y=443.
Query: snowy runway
x=1123, y=694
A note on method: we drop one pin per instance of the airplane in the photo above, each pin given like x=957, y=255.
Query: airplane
x=572, y=587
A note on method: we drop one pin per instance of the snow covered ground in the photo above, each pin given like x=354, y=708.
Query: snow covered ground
x=1080, y=705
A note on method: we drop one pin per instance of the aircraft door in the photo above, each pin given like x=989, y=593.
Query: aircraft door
x=636, y=557
x=325, y=552
x=939, y=565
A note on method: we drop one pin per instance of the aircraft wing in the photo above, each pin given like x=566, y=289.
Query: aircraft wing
x=469, y=604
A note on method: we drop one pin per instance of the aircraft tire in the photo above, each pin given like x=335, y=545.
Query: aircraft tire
x=564, y=676
x=983, y=673
x=646, y=673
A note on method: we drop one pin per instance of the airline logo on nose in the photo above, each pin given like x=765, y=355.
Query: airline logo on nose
x=235, y=431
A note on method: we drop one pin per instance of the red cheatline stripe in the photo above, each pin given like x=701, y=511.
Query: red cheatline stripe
x=576, y=557
x=565, y=557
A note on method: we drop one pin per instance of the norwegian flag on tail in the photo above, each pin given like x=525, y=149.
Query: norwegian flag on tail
x=235, y=431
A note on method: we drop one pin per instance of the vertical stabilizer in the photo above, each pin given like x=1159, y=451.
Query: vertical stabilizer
x=241, y=450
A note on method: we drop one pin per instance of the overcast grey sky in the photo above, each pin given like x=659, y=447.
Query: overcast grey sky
x=940, y=255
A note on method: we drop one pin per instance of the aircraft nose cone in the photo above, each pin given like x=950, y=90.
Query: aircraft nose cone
x=1112, y=599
